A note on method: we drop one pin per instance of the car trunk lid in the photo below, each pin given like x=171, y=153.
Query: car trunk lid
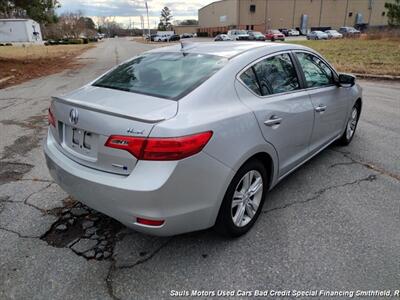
x=86, y=118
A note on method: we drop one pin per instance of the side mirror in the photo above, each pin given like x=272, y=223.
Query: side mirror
x=346, y=80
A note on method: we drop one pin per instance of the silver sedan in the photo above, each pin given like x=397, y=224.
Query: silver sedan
x=189, y=137
x=317, y=35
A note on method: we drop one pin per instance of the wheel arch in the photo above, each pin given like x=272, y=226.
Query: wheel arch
x=267, y=161
x=359, y=103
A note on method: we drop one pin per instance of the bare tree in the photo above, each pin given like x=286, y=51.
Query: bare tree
x=71, y=25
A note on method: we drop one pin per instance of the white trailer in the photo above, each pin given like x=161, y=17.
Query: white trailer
x=20, y=31
x=165, y=33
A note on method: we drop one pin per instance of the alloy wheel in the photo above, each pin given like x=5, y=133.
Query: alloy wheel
x=247, y=198
x=352, y=123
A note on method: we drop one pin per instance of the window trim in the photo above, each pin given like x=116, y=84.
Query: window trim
x=335, y=73
x=251, y=65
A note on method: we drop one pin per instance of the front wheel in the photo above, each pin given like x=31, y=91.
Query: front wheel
x=351, y=126
x=243, y=200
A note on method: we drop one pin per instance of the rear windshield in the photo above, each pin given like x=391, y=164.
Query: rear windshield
x=164, y=75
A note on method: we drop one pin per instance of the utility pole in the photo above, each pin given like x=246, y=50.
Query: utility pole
x=148, y=22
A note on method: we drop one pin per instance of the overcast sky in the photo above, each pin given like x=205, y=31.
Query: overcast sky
x=130, y=10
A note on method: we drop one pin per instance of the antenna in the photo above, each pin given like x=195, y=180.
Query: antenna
x=186, y=45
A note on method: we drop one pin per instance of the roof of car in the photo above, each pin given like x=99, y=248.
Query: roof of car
x=224, y=49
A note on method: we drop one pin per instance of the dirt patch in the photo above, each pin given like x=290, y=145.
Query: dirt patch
x=23, y=65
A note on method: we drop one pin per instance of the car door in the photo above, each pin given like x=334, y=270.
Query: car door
x=271, y=88
x=329, y=100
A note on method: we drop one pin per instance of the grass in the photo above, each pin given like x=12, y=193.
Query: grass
x=376, y=57
x=38, y=52
x=19, y=64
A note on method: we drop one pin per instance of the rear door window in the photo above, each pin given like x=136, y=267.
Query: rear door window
x=250, y=80
x=277, y=74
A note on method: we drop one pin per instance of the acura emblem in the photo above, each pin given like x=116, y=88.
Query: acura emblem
x=73, y=116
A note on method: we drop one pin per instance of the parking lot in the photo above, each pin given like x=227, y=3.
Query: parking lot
x=331, y=225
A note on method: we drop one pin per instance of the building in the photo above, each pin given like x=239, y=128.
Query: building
x=19, y=31
x=261, y=15
x=181, y=29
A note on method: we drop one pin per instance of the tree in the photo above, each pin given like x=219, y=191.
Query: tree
x=42, y=11
x=87, y=23
x=189, y=22
x=165, y=19
x=393, y=13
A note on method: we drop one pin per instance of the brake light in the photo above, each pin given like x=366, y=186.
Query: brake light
x=149, y=222
x=131, y=144
x=174, y=148
x=50, y=117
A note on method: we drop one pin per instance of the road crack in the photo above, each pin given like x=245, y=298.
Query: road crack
x=19, y=234
x=319, y=193
x=365, y=164
x=113, y=268
x=43, y=211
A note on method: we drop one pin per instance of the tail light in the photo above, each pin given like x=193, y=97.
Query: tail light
x=50, y=117
x=149, y=222
x=174, y=148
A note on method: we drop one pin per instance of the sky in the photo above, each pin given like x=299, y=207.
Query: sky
x=128, y=12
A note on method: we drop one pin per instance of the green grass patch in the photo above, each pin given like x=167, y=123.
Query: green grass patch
x=377, y=57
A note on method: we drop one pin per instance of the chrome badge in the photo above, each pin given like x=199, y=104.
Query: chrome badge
x=134, y=131
x=74, y=116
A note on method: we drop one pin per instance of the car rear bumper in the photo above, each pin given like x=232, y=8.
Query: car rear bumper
x=278, y=38
x=185, y=194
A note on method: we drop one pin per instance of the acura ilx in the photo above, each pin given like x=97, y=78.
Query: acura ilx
x=193, y=136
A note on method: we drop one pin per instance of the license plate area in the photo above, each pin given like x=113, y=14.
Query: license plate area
x=81, y=142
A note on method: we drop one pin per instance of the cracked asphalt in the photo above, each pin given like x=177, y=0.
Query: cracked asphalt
x=333, y=224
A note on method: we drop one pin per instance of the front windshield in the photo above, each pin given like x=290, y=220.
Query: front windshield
x=165, y=75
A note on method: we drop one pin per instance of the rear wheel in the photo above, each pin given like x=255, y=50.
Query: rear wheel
x=243, y=200
x=351, y=126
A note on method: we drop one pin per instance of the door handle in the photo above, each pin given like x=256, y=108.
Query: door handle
x=320, y=108
x=274, y=120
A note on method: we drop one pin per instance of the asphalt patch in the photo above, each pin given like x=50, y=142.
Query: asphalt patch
x=26, y=143
x=12, y=171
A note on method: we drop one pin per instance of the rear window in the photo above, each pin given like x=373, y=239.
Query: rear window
x=164, y=75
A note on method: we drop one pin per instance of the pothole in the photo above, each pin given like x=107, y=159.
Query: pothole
x=85, y=231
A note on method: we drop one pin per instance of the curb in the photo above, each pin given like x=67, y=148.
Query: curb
x=6, y=78
x=379, y=77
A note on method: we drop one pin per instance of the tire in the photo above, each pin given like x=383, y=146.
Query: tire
x=351, y=126
x=234, y=219
x=272, y=39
